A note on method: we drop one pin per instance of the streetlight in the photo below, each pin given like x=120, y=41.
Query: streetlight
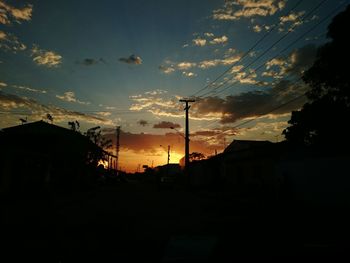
x=178, y=132
x=168, y=153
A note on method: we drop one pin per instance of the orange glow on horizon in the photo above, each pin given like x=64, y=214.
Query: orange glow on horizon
x=131, y=161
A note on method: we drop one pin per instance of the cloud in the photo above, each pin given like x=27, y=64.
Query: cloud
x=219, y=40
x=10, y=13
x=132, y=59
x=293, y=19
x=156, y=92
x=104, y=113
x=251, y=104
x=157, y=104
x=208, y=34
x=166, y=125
x=189, y=74
x=46, y=58
x=37, y=111
x=295, y=63
x=3, y=84
x=199, y=42
x=91, y=61
x=166, y=70
x=257, y=28
x=237, y=9
x=186, y=65
x=10, y=42
x=142, y=123
x=69, y=96
x=25, y=88
x=301, y=59
x=215, y=62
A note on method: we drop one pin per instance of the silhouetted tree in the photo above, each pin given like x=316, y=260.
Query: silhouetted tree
x=322, y=120
x=49, y=117
x=97, y=153
x=196, y=156
x=74, y=125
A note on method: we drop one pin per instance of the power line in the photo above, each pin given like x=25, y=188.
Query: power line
x=272, y=46
x=335, y=10
x=247, y=52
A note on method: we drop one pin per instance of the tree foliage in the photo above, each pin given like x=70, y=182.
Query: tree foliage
x=322, y=120
x=97, y=153
x=196, y=156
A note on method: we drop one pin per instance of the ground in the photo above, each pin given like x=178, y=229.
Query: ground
x=138, y=221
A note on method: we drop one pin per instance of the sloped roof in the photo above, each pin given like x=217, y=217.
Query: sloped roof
x=240, y=145
x=40, y=134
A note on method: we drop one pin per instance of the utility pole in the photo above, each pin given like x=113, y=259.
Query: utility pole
x=168, y=154
x=117, y=149
x=187, y=133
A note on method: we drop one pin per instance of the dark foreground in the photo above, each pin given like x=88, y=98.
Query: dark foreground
x=137, y=222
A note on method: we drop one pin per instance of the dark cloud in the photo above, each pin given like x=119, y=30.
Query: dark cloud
x=143, y=123
x=258, y=103
x=302, y=59
x=252, y=103
x=166, y=125
x=133, y=59
x=91, y=61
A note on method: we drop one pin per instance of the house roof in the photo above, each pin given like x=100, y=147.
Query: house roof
x=239, y=145
x=40, y=133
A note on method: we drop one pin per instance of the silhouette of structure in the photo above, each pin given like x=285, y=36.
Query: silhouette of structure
x=187, y=132
x=40, y=156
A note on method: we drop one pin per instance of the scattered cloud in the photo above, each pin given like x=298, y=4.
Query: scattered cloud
x=189, y=74
x=9, y=42
x=25, y=88
x=199, y=42
x=293, y=20
x=156, y=92
x=219, y=40
x=295, y=63
x=69, y=96
x=3, y=84
x=104, y=113
x=38, y=111
x=9, y=13
x=237, y=9
x=132, y=59
x=166, y=70
x=186, y=65
x=46, y=58
x=208, y=34
x=257, y=28
x=166, y=125
x=216, y=62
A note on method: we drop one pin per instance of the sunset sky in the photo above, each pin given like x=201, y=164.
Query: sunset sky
x=128, y=63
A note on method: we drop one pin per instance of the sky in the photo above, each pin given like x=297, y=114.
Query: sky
x=127, y=63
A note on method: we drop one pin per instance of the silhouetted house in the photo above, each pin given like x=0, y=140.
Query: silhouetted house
x=38, y=156
x=244, y=166
x=207, y=172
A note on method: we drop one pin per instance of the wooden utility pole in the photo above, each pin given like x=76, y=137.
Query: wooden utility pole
x=168, y=154
x=187, y=133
